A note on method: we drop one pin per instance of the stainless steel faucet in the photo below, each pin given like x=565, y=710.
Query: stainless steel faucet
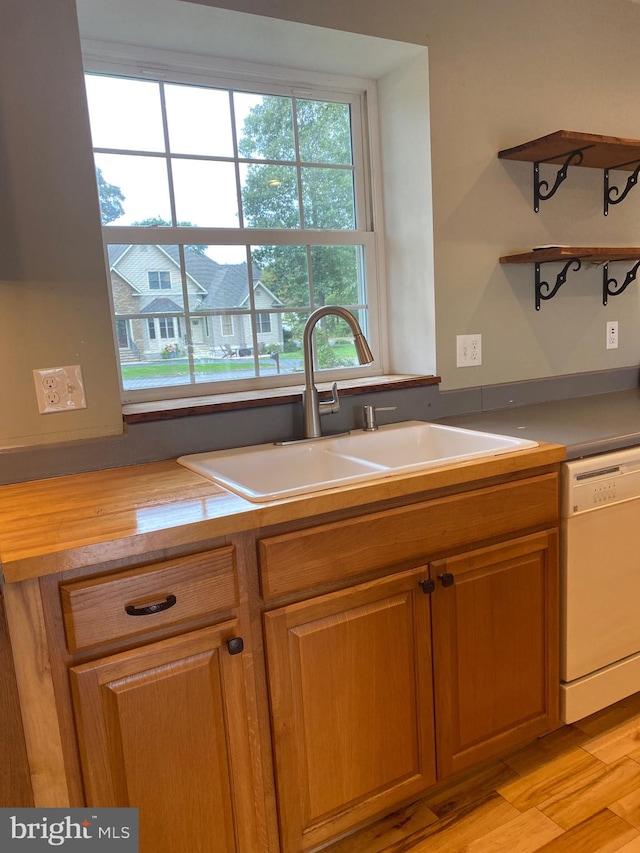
x=312, y=405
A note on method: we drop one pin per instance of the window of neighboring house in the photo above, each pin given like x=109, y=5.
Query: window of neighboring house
x=254, y=196
x=263, y=322
x=226, y=324
x=166, y=326
x=159, y=279
x=163, y=327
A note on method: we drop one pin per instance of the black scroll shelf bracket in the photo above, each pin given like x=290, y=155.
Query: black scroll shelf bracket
x=610, y=286
x=541, y=191
x=613, y=195
x=546, y=291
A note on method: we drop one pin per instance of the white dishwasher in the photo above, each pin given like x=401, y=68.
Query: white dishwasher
x=600, y=591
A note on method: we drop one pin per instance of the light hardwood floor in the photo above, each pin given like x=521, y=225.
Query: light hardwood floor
x=576, y=790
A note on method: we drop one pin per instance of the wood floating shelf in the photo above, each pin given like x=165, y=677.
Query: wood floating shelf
x=573, y=256
x=562, y=253
x=569, y=148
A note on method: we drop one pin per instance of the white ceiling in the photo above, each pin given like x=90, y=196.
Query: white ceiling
x=193, y=28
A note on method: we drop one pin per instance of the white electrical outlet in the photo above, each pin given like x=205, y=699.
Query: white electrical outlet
x=59, y=389
x=612, y=334
x=468, y=350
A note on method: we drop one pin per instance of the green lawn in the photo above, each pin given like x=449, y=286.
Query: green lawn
x=180, y=366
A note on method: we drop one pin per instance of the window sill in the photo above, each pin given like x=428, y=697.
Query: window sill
x=183, y=407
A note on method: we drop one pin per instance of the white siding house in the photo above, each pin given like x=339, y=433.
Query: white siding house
x=152, y=315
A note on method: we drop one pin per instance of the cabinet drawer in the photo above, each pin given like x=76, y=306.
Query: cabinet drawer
x=136, y=601
x=330, y=552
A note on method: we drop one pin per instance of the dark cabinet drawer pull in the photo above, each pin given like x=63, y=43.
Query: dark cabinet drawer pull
x=446, y=579
x=235, y=645
x=132, y=610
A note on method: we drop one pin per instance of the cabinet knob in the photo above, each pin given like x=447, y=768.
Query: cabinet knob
x=427, y=586
x=235, y=645
x=446, y=579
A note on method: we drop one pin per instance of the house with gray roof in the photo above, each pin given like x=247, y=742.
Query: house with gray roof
x=153, y=306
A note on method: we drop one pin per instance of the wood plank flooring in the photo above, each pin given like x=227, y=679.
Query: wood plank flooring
x=576, y=790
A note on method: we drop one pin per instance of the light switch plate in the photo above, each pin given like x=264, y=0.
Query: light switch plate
x=59, y=389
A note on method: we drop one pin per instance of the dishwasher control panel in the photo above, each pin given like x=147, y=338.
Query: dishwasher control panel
x=599, y=481
x=603, y=493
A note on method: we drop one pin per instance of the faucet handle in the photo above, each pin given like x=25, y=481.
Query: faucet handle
x=332, y=405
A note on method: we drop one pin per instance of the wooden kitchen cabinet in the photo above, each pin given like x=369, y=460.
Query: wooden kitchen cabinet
x=447, y=657
x=352, y=705
x=158, y=670
x=164, y=728
x=495, y=649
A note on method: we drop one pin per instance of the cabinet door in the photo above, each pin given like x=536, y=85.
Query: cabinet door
x=351, y=692
x=495, y=649
x=163, y=728
x=15, y=782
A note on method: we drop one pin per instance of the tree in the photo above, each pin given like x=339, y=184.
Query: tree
x=111, y=198
x=159, y=222
x=270, y=199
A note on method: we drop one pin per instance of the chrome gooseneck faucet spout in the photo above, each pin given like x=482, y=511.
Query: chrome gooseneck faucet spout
x=312, y=405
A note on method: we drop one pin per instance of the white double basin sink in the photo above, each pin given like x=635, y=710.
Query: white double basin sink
x=267, y=472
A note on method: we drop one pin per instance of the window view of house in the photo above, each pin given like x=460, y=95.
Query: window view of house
x=156, y=326
x=228, y=217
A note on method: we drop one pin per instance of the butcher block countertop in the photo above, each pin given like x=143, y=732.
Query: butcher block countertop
x=53, y=525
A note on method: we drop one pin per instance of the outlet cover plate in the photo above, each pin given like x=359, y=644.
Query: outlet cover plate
x=59, y=389
x=468, y=350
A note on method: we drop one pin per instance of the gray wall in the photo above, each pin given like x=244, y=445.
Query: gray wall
x=54, y=308
x=501, y=72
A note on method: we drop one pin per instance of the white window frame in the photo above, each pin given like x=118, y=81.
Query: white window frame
x=160, y=274
x=361, y=94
